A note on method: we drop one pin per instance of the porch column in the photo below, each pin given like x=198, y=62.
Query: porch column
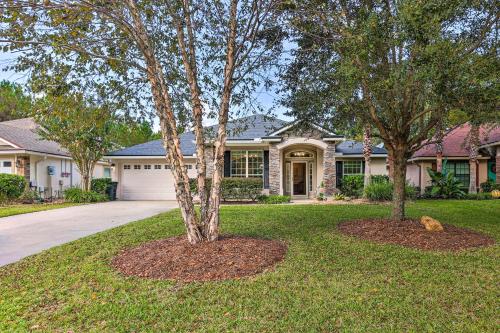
x=329, y=172
x=497, y=165
x=274, y=169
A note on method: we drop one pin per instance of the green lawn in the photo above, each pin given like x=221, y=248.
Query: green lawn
x=23, y=209
x=328, y=282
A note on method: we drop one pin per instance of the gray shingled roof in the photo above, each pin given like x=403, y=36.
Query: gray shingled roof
x=350, y=147
x=23, y=133
x=247, y=128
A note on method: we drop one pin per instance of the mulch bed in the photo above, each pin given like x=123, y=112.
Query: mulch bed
x=230, y=257
x=411, y=233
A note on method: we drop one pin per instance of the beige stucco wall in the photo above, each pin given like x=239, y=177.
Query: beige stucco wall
x=413, y=174
x=378, y=164
x=483, y=171
x=39, y=175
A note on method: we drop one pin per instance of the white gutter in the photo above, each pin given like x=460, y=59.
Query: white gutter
x=493, y=144
x=431, y=158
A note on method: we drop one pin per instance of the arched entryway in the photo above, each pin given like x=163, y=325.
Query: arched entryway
x=300, y=172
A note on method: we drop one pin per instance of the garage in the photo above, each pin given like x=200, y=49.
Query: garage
x=151, y=180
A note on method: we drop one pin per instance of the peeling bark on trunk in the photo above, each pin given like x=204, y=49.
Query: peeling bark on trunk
x=171, y=142
x=212, y=223
x=367, y=153
x=473, y=153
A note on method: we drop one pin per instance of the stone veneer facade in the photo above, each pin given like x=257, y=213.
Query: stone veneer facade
x=329, y=169
x=329, y=166
x=274, y=169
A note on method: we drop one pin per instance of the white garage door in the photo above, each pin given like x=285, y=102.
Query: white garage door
x=142, y=181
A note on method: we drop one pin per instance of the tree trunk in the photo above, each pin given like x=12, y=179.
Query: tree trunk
x=367, y=153
x=473, y=153
x=212, y=223
x=439, y=148
x=399, y=195
x=171, y=142
x=390, y=165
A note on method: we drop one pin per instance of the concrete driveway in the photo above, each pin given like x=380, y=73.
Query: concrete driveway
x=27, y=234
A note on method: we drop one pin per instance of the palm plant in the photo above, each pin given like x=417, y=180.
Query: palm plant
x=445, y=185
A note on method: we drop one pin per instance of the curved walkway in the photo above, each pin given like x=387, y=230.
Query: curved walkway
x=27, y=234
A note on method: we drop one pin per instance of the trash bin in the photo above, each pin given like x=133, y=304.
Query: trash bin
x=111, y=191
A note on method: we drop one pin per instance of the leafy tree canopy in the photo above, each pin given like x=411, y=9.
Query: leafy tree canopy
x=14, y=103
x=126, y=133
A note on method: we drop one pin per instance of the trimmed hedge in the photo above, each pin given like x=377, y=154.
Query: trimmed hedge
x=77, y=195
x=489, y=186
x=234, y=188
x=11, y=186
x=274, y=199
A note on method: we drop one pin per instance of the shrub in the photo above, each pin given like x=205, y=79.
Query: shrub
x=234, y=188
x=379, y=191
x=352, y=185
x=77, y=195
x=100, y=185
x=380, y=179
x=12, y=186
x=383, y=191
x=29, y=196
x=489, y=186
x=274, y=199
x=478, y=196
x=445, y=185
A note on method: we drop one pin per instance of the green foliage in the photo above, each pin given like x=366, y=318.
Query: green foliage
x=383, y=190
x=379, y=191
x=100, y=185
x=126, y=133
x=29, y=196
x=235, y=188
x=489, y=186
x=445, y=185
x=77, y=195
x=380, y=179
x=79, y=125
x=478, y=196
x=338, y=196
x=352, y=186
x=11, y=186
x=274, y=199
x=14, y=103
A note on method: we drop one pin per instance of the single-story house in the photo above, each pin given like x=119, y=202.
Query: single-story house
x=456, y=155
x=290, y=159
x=46, y=166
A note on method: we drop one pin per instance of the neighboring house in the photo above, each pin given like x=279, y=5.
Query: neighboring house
x=289, y=159
x=46, y=166
x=456, y=155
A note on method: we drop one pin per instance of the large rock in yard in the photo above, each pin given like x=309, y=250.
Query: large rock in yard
x=431, y=224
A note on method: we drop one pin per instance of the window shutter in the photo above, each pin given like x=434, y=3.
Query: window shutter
x=227, y=163
x=266, y=169
x=363, y=168
x=339, y=170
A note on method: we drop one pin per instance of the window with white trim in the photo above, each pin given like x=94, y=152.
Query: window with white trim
x=126, y=166
x=137, y=167
x=353, y=168
x=7, y=164
x=157, y=166
x=247, y=163
x=147, y=166
x=167, y=167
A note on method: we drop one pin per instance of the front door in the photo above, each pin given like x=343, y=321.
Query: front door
x=299, y=178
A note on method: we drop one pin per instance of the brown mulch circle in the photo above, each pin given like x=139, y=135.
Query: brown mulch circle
x=411, y=233
x=230, y=257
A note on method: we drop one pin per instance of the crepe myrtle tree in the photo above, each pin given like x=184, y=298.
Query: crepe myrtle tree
x=183, y=59
x=394, y=64
x=80, y=126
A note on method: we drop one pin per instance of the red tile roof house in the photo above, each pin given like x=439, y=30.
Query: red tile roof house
x=456, y=153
